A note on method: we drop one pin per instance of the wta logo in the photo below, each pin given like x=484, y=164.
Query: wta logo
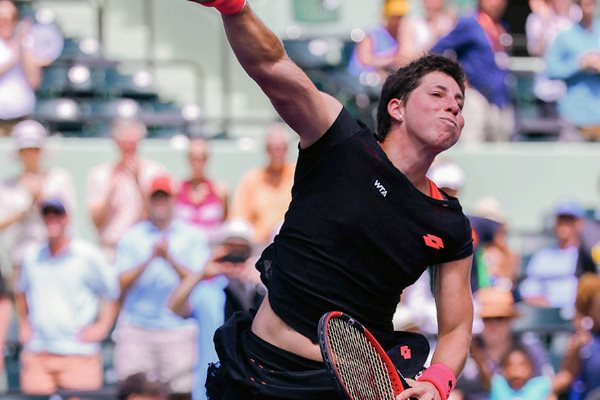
x=433, y=241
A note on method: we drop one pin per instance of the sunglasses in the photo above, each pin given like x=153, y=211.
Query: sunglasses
x=52, y=211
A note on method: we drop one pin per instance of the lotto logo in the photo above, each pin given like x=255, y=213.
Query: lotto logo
x=405, y=352
x=433, y=241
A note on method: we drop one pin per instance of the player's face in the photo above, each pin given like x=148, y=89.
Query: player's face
x=433, y=111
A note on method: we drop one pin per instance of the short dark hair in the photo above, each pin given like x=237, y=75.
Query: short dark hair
x=141, y=384
x=400, y=85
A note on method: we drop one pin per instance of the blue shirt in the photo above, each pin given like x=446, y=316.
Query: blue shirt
x=537, y=388
x=383, y=44
x=581, y=104
x=474, y=52
x=207, y=304
x=551, y=274
x=63, y=293
x=146, y=300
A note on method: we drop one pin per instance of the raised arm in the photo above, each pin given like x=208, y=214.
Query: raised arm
x=302, y=106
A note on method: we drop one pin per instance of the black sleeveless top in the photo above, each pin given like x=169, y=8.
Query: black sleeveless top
x=356, y=234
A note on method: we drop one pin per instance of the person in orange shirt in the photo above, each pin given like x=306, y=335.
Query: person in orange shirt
x=263, y=194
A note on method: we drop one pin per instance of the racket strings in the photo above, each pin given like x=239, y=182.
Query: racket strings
x=359, y=366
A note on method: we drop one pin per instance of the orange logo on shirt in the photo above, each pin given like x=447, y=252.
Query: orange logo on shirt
x=433, y=241
x=405, y=352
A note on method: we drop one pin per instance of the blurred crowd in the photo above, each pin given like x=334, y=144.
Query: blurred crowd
x=143, y=284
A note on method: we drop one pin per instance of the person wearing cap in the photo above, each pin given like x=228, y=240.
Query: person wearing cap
x=115, y=189
x=551, y=274
x=227, y=284
x=66, y=299
x=497, y=311
x=380, y=50
x=481, y=43
x=151, y=259
x=20, y=196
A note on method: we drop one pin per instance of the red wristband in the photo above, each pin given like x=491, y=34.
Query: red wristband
x=442, y=377
x=224, y=6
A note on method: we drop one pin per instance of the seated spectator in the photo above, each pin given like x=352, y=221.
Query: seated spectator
x=66, y=299
x=212, y=301
x=20, y=69
x=200, y=200
x=152, y=258
x=420, y=33
x=547, y=19
x=141, y=386
x=574, y=57
x=115, y=195
x=481, y=43
x=551, y=274
x=379, y=52
x=515, y=379
x=580, y=369
x=264, y=194
x=497, y=311
x=20, y=196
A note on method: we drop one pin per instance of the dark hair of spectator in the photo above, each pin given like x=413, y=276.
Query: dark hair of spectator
x=517, y=348
x=400, y=85
x=140, y=384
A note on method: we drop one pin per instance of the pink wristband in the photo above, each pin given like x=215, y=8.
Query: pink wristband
x=225, y=6
x=442, y=377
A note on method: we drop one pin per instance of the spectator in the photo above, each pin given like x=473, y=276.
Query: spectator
x=581, y=362
x=20, y=70
x=379, y=52
x=497, y=310
x=5, y=318
x=141, y=386
x=201, y=201
x=551, y=274
x=515, y=379
x=547, y=19
x=422, y=32
x=212, y=302
x=574, y=57
x=66, y=299
x=263, y=194
x=20, y=196
x=589, y=252
x=116, y=189
x=152, y=258
x=497, y=264
x=481, y=43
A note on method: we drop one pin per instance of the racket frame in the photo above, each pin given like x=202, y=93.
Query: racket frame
x=397, y=381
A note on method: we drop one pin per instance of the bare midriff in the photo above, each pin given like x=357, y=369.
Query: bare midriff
x=270, y=328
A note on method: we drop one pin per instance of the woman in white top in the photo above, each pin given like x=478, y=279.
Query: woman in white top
x=21, y=195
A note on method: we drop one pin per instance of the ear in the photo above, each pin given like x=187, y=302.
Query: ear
x=395, y=109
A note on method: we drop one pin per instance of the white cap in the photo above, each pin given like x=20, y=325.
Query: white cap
x=446, y=174
x=489, y=207
x=29, y=134
x=236, y=228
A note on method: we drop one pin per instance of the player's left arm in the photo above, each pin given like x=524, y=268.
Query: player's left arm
x=454, y=303
x=454, y=306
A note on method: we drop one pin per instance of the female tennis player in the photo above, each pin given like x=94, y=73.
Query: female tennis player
x=363, y=224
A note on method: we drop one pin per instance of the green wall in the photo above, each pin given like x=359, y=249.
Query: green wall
x=527, y=178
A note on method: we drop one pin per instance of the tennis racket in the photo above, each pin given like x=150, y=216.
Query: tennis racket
x=357, y=362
